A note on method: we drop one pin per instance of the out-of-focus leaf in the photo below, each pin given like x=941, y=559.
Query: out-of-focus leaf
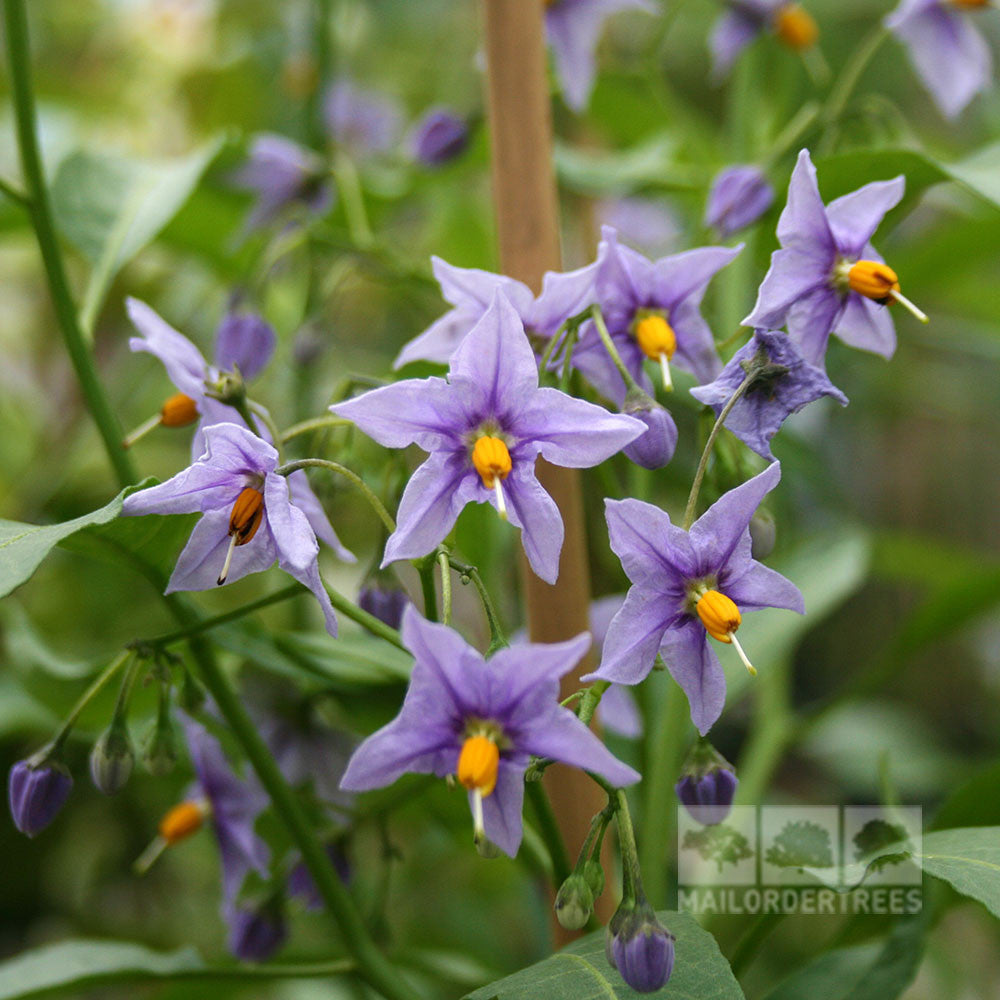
x=980, y=173
x=648, y=165
x=829, y=977
x=581, y=971
x=969, y=859
x=24, y=546
x=974, y=803
x=111, y=207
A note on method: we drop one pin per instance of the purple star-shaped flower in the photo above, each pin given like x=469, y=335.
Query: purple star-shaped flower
x=950, y=55
x=573, y=28
x=482, y=720
x=739, y=196
x=244, y=341
x=686, y=586
x=364, y=121
x=471, y=291
x=281, y=173
x=744, y=20
x=249, y=519
x=653, y=311
x=484, y=428
x=783, y=385
x=825, y=256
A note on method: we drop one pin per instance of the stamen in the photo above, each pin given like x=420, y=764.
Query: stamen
x=478, y=827
x=668, y=384
x=501, y=503
x=718, y=614
x=177, y=411
x=478, y=764
x=229, y=558
x=141, y=431
x=492, y=461
x=146, y=860
x=796, y=27
x=896, y=294
x=245, y=519
x=742, y=655
x=177, y=824
x=655, y=336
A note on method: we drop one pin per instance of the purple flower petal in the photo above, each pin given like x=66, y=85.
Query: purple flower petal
x=634, y=637
x=245, y=341
x=693, y=664
x=502, y=810
x=536, y=514
x=184, y=362
x=653, y=551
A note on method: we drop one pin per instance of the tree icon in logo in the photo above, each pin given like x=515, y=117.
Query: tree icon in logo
x=801, y=844
x=720, y=843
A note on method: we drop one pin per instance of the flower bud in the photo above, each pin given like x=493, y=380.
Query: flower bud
x=112, y=760
x=763, y=532
x=256, y=933
x=438, y=138
x=707, y=785
x=386, y=603
x=159, y=751
x=594, y=874
x=37, y=789
x=654, y=448
x=640, y=948
x=192, y=694
x=574, y=902
x=739, y=196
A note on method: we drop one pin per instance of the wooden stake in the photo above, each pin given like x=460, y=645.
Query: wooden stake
x=527, y=220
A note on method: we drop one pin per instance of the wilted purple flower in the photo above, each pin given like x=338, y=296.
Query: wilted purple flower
x=744, y=20
x=386, y=603
x=654, y=448
x=739, y=196
x=783, y=383
x=687, y=586
x=484, y=428
x=640, y=948
x=950, y=55
x=244, y=340
x=256, y=932
x=653, y=311
x=439, y=137
x=482, y=720
x=646, y=223
x=709, y=798
x=828, y=277
x=471, y=291
x=573, y=28
x=363, y=121
x=36, y=790
x=282, y=173
x=249, y=519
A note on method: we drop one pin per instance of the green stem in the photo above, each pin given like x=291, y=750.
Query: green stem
x=550, y=832
x=315, y=125
x=571, y=326
x=19, y=62
x=349, y=185
x=497, y=637
x=314, y=424
x=260, y=412
x=426, y=569
x=847, y=81
x=750, y=943
x=372, y=965
x=242, y=407
x=14, y=195
x=595, y=835
x=591, y=699
x=609, y=346
x=209, y=623
x=321, y=463
x=365, y=620
x=88, y=696
x=445, y=586
x=631, y=878
x=689, y=510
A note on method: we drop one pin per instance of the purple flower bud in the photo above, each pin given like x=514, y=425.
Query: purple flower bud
x=300, y=880
x=385, y=603
x=244, y=340
x=640, y=948
x=738, y=197
x=708, y=799
x=36, y=792
x=255, y=934
x=438, y=138
x=655, y=448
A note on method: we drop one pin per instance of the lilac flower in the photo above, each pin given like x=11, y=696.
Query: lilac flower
x=784, y=383
x=744, y=20
x=654, y=448
x=687, y=586
x=828, y=277
x=471, y=291
x=36, y=790
x=248, y=522
x=739, y=196
x=646, y=223
x=282, y=173
x=708, y=799
x=950, y=55
x=244, y=341
x=484, y=428
x=256, y=933
x=482, y=720
x=652, y=311
x=386, y=602
x=617, y=711
x=439, y=137
x=573, y=28
x=363, y=121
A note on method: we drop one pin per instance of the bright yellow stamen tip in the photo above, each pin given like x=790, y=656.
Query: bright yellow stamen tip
x=491, y=459
x=718, y=614
x=183, y=820
x=872, y=279
x=178, y=411
x=655, y=337
x=796, y=27
x=477, y=765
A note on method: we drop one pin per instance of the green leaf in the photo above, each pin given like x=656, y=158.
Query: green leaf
x=581, y=971
x=24, y=546
x=969, y=859
x=111, y=207
x=973, y=803
x=650, y=164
